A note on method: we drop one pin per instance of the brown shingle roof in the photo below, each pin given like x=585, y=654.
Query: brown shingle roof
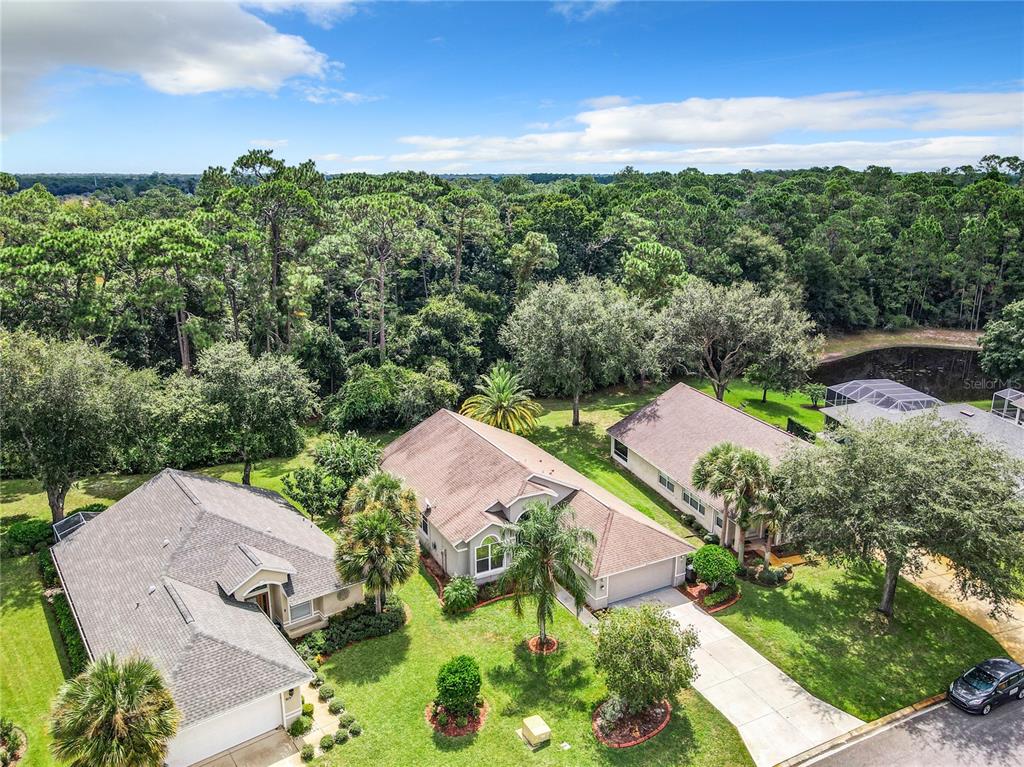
x=462, y=467
x=674, y=430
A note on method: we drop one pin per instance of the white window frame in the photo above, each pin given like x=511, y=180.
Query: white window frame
x=291, y=611
x=666, y=483
x=493, y=545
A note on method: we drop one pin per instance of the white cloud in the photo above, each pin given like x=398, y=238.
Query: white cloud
x=322, y=13
x=581, y=10
x=325, y=94
x=269, y=143
x=606, y=102
x=175, y=48
x=755, y=132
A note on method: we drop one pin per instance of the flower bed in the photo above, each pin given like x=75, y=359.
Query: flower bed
x=353, y=624
x=631, y=730
x=697, y=592
x=474, y=722
x=533, y=645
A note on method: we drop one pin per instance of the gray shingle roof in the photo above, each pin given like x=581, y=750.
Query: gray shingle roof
x=463, y=467
x=143, y=578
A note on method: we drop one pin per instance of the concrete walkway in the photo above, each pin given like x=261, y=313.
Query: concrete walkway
x=586, y=617
x=776, y=717
x=1009, y=632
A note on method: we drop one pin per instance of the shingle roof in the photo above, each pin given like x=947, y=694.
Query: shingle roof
x=462, y=468
x=674, y=430
x=143, y=578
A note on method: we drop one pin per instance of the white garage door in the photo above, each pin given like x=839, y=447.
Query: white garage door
x=211, y=736
x=640, y=581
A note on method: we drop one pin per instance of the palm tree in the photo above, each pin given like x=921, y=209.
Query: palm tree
x=381, y=487
x=740, y=478
x=378, y=547
x=503, y=401
x=772, y=513
x=114, y=714
x=543, y=550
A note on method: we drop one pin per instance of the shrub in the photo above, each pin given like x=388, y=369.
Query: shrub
x=461, y=721
x=92, y=508
x=311, y=645
x=361, y=622
x=314, y=663
x=341, y=736
x=714, y=565
x=712, y=538
x=300, y=726
x=643, y=655
x=318, y=680
x=742, y=571
x=689, y=520
x=613, y=710
x=326, y=743
x=442, y=719
x=25, y=536
x=346, y=720
x=326, y=692
x=458, y=684
x=721, y=596
x=355, y=730
x=307, y=753
x=772, y=575
x=307, y=709
x=47, y=570
x=335, y=706
x=7, y=731
x=459, y=594
x=77, y=657
x=815, y=392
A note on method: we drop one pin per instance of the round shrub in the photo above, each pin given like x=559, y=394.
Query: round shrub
x=326, y=692
x=27, y=535
x=714, y=565
x=461, y=721
x=326, y=743
x=712, y=538
x=341, y=736
x=459, y=594
x=92, y=508
x=458, y=684
x=307, y=709
x=307, y=753
x=300, y=726
x=318, y=680
x=346, y=719
x=442, y=719
x=335, y=706
x=355, y=730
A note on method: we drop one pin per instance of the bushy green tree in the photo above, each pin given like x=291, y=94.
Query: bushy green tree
x=1002, y=345
x=458, y=685
x=714, y=565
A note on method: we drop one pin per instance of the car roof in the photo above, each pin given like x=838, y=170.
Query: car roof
x=1000, y=667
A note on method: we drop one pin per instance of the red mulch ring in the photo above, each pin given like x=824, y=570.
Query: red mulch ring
x=534, y=646
x=723, y=605
x=632, y=730
x=473, y=723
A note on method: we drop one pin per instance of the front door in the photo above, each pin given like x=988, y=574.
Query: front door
x=262, y=601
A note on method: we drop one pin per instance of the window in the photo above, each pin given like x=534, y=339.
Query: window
x=423, y=524
x=693, y=502
x=621, y=450
x=301, y=610
x=718, y=520
x=666, y=483
x=489, y=555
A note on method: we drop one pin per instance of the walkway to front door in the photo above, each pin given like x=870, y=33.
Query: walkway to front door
x=776, y=717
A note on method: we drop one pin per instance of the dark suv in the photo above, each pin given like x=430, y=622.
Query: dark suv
x=988, y=684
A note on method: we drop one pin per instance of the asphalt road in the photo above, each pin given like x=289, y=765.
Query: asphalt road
x=943, y=736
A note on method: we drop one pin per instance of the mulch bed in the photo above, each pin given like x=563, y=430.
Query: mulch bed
x=632, y=730
x=697, y=591
x=452, y=730
x=440, y=579
x=533, y=645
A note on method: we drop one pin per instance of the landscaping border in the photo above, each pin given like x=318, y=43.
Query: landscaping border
x=629, y=744
x=483, y=711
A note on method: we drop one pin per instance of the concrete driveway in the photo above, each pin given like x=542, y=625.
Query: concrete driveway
x=776, y=717
x=275, y=749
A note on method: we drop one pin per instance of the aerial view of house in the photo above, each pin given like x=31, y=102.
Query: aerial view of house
x=472, y=479
x=209, y=579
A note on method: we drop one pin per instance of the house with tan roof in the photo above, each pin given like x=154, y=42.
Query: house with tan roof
x=661, y=442
x=208, y=579
x=472, y=479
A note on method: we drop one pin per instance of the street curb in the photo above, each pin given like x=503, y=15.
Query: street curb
x=895, y=716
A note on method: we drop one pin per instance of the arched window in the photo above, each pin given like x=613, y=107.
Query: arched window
x=489, y=555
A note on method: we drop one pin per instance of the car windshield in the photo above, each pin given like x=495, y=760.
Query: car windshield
x=982, y=681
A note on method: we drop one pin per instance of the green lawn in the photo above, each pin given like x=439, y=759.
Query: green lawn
x=31, y=665
x=387, y=683
x=822, y=630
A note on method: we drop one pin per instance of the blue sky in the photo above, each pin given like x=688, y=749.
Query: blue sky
x=533, y=86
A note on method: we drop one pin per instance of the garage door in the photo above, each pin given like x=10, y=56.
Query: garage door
x=211, y=736
x=640, y=581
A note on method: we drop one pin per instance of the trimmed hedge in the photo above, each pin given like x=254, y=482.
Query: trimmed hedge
x=77, y=656
x=26, y=536
x=355, y=624
x=300, y=726
x=47, y=569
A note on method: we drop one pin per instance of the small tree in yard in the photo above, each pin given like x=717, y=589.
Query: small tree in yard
x=337, y=463
x=458, y=685
x=815, y=391
x=644, y=656
x=910, y=489
x=714, y=566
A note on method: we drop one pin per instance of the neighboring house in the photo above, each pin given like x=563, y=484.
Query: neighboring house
x=866, y=400
x=194, y=573
x=471, y=479
x=661, y=442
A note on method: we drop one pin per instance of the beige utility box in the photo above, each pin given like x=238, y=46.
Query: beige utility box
x=536, y=731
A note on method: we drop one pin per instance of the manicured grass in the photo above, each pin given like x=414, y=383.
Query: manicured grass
x=775, y=411
x=386, y=684
x=821, y=628
x=31, y=665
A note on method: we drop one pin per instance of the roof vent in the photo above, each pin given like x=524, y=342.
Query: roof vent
x=152, y=588
x=967, y=413
x=166, y=543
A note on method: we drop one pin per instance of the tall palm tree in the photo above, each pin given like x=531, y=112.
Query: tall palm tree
x=114, y=714
x=740, y=478
x=381, y=487
x=503, y=401
x=543, y=550
x=773, y=513
x=378, y=547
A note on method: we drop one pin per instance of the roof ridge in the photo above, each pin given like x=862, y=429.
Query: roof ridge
x=173, y=474
x=461, y=420
x=731, y=407
x=227, y=643
x=609, y=514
